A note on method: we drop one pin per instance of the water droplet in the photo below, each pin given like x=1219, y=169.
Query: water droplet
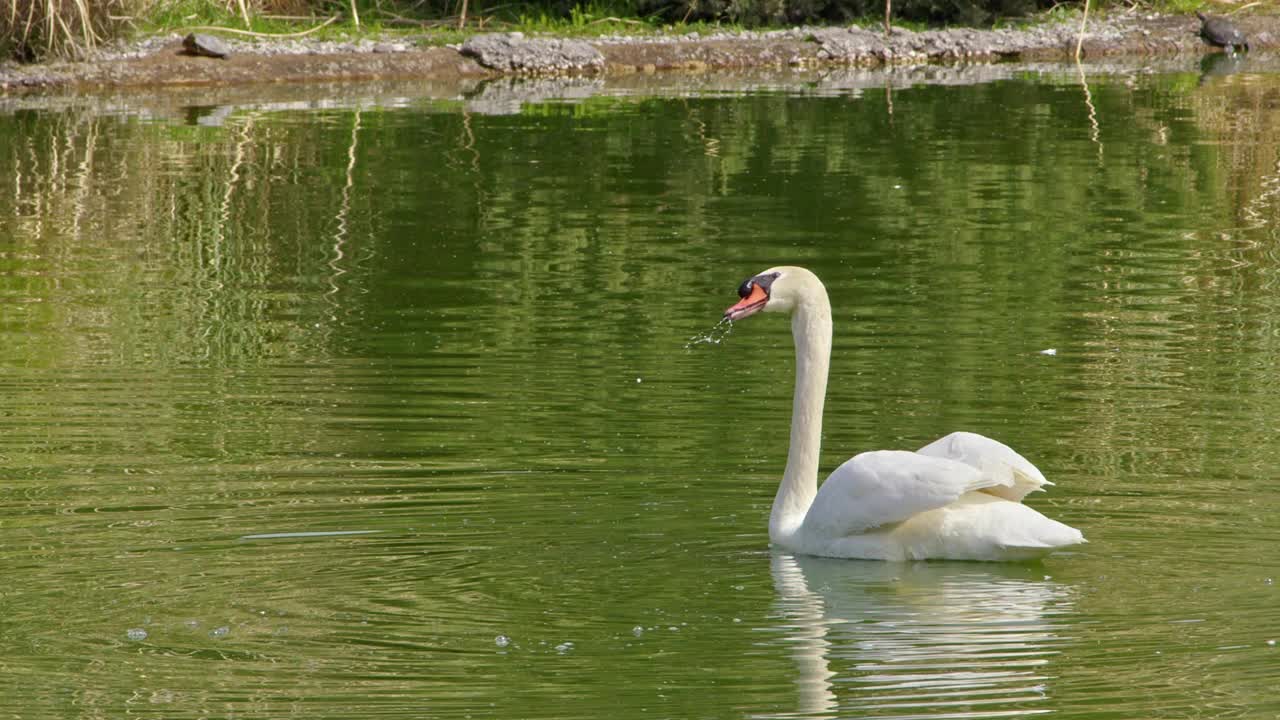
x=639, y=380
x=737, y=620
x=1268, y=581
x=220, y=632
x=714, y=336
x=136, y=634
x=1049, y=351
x=637, y=631
x=564, y=647
x=502, y=641
x=191, y=624
x=1272, y=643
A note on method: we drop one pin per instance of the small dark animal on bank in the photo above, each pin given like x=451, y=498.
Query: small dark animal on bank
x=1222, y=32
x=205, y=46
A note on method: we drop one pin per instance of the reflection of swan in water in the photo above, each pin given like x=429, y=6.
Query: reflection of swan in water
x=918, y=640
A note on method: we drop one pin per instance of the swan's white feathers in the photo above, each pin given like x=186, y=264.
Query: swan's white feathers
x=1016, y=475
x=875, y=489
x=976, y=526
x=958, y=498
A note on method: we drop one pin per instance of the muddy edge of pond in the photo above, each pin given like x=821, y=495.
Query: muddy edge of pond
x=158, y=61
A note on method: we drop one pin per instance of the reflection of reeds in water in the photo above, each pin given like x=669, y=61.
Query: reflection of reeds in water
x=344, y=209
x=153, y=243
x=1159, y=300
x=1094, y=130
x=1235, y=113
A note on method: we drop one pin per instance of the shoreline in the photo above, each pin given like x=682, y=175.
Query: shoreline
x=157, y=62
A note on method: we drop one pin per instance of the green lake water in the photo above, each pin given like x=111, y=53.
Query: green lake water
x=382, y=402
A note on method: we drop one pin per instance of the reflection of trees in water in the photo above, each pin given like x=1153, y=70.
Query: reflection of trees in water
x=1235, y=111
x=899, y=640
x=174, y=260
x=152, y=243
x=256, y=239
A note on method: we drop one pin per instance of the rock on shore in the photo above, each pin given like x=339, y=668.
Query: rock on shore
x=515, y=54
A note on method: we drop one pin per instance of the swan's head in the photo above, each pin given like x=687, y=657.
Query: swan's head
x=778, y=289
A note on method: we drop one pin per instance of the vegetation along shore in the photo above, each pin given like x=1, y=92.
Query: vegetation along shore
x=53, y=44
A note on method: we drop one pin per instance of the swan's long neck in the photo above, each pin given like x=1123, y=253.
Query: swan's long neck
x=811, y=329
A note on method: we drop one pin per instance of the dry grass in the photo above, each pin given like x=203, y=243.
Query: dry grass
x=40, y=29
x=31, y=29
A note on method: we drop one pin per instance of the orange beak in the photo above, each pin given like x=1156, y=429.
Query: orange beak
x=753, y=303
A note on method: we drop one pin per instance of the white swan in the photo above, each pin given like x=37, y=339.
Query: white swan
x=959, y=498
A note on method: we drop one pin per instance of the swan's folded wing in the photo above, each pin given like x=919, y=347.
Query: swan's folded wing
x=1015, y=476
x=885, y=487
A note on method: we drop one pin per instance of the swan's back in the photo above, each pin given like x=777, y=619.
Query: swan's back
x=958, y=498
x=1014, y=476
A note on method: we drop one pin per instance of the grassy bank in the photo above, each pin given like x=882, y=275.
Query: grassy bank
x=40, y=29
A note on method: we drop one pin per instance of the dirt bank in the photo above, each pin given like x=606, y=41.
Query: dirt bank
x=158, y=62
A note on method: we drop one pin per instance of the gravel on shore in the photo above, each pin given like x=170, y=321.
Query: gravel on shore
x=159, y=61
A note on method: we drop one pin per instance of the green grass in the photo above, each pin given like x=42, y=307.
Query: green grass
x=594, y=19
x=591, y=20
x=179, y=15
x=1181, y=7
